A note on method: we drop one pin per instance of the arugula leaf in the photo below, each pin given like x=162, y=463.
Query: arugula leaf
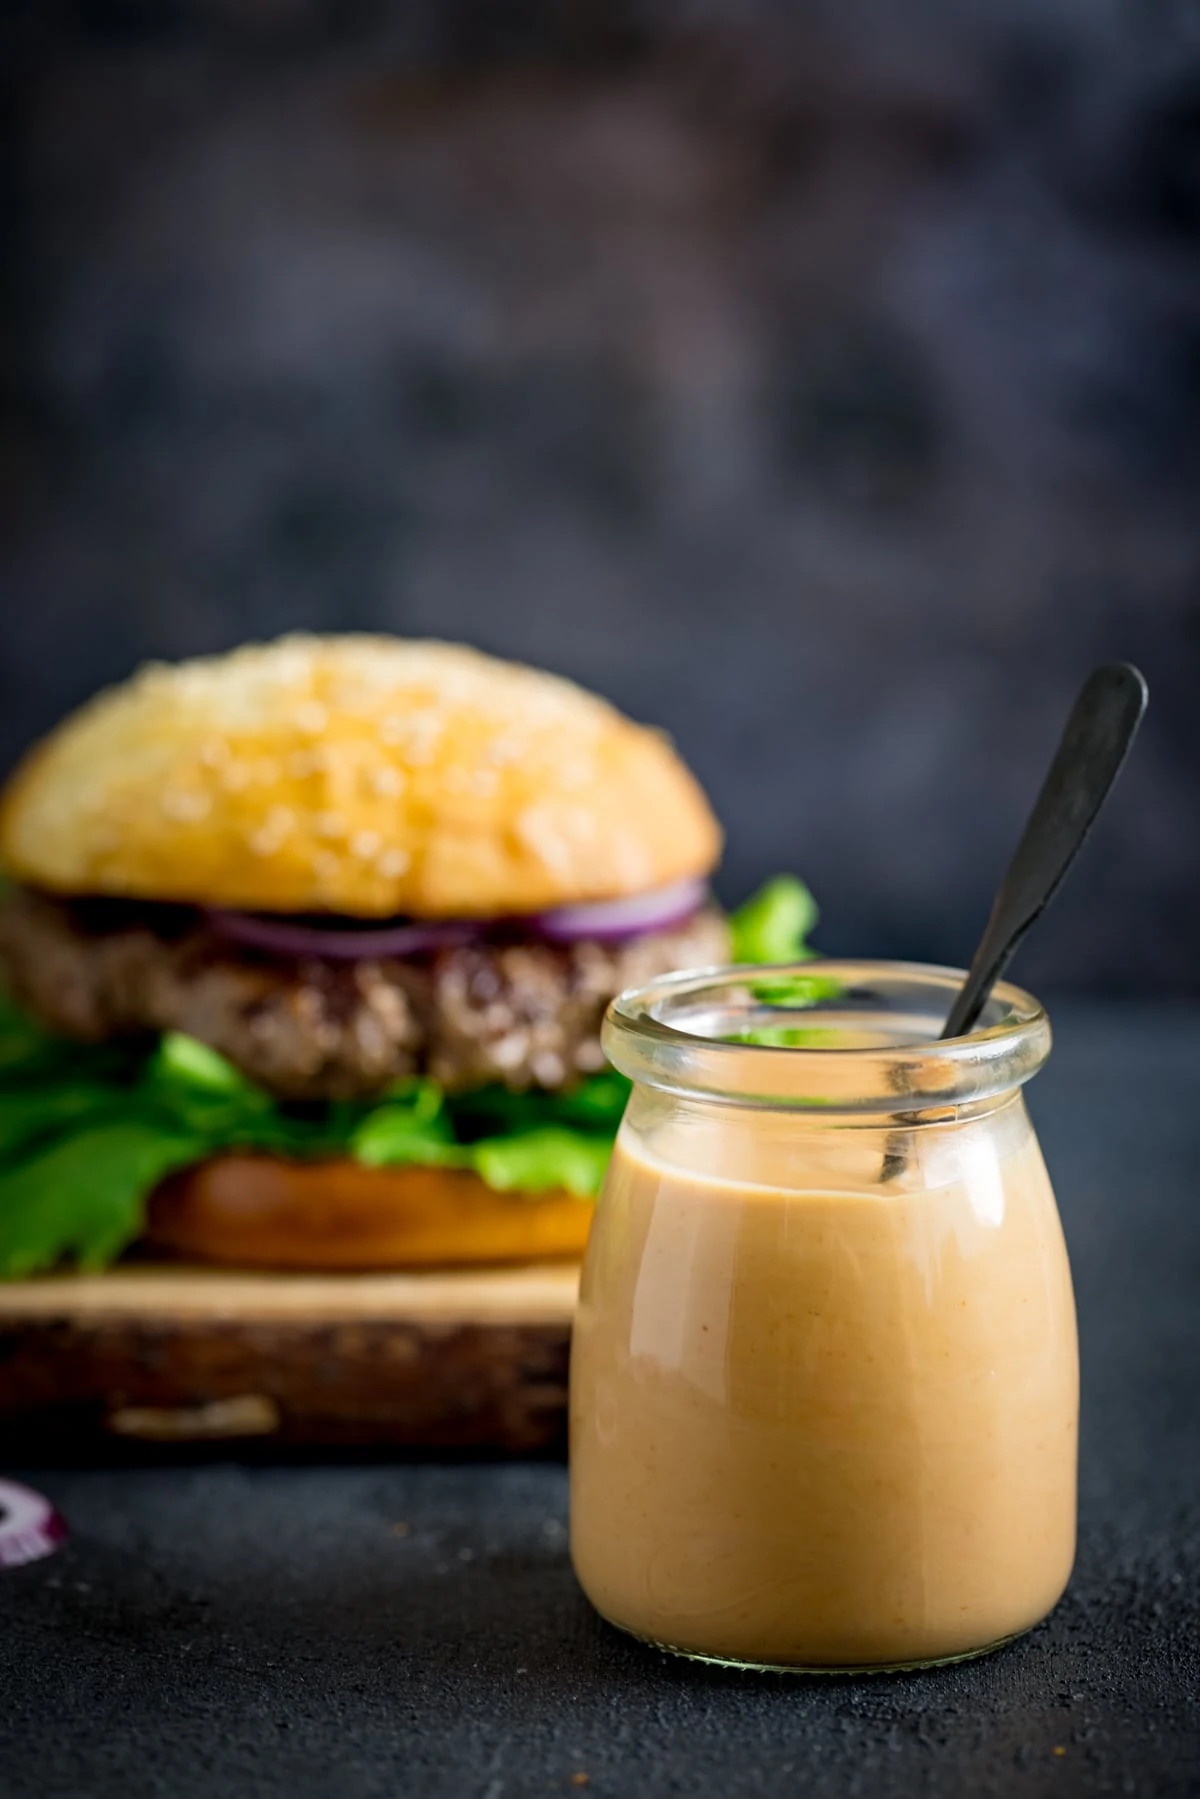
x=772, y=925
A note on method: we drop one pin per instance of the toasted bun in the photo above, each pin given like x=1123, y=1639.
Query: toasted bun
x=360, y=775
x=259, y=1212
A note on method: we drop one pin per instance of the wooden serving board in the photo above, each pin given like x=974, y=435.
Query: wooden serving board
x=173, y=1355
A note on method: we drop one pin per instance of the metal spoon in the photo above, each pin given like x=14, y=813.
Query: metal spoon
x=1095, y=743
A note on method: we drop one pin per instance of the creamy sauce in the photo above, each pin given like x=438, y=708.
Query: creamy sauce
x=816, y=1424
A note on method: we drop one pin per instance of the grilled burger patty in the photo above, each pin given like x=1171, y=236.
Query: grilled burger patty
x=522, y=1012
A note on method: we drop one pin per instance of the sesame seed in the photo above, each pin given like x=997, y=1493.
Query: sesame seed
x=325, y=865
x=366, y=844
x=311, y=716
x=386, y=781
x=393, y=862
x=541, y=833
x=330, y=824
x=184, y=806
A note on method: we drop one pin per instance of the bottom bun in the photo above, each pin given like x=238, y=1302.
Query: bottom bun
x=259, y=1211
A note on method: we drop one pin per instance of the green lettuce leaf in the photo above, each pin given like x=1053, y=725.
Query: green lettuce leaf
x=595, y=1105
x=536, y=1161
x=412, y=1125
x=772, y=928
x=773, y=924
x=83, y=1197
x=87, y=1131
x=79, y=1157
x=29, y=1115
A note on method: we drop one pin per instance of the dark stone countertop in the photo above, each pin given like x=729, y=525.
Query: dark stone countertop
x=267, y=1630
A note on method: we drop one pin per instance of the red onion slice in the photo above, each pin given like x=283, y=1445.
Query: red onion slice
x=607, y=921
x=29, y=1526
x=285, y=938
x=610, y=920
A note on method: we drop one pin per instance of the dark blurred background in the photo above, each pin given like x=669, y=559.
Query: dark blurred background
x=820, y=382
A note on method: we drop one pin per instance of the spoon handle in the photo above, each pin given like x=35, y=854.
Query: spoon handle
x=1096, y=741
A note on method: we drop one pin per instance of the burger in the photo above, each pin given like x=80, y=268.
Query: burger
x=305, y=950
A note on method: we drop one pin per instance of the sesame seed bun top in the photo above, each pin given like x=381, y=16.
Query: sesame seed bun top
x=359, y=775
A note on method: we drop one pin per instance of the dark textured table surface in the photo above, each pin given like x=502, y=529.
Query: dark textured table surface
x=415, y=1629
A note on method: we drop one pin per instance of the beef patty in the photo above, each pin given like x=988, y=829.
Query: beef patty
x=523, y=1012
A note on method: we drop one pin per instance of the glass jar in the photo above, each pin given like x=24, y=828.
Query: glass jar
x=824, y=1380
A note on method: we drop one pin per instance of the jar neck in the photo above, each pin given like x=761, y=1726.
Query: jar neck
x=649, y=1104
x=828, y=1040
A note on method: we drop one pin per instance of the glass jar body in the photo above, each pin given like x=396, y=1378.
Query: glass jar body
x=824, y=1396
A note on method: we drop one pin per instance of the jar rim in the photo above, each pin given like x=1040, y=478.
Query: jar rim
x=769, y=1036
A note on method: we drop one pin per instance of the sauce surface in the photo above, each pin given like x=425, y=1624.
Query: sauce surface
x=818, y=1421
